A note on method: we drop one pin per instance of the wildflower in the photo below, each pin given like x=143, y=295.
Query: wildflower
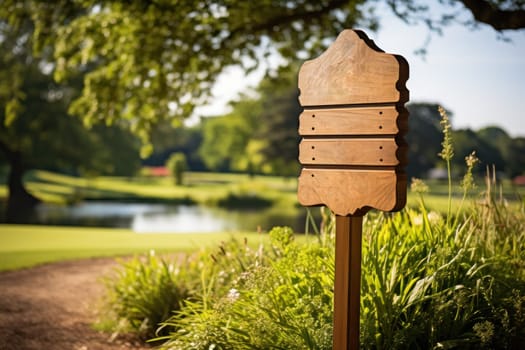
x=434, y=217
x=233, y=295
x=417, y=220
x=468, y=180
x=485, y=331
x=418, y=186
x=448, y=151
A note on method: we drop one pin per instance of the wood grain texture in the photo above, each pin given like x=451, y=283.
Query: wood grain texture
x=366, y=152
x=354, y=119
x=352, y=192
x=352, y=71
x=350, y=121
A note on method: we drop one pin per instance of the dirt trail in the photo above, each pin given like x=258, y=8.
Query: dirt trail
x=52, y=306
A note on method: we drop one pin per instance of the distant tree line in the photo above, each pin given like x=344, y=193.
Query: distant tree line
x=259, y=136
x=493, y=145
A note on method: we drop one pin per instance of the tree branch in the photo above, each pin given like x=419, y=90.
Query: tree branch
x=498, y=19
x=287, y=18
x=304, y=16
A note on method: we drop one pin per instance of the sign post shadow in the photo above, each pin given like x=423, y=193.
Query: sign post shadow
x=352, y=153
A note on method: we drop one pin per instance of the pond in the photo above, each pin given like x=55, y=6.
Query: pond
x=166, y=218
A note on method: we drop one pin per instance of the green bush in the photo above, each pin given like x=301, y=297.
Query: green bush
x=279, y=299
x=177, y=165
x=244, y=201
x=142, y=293
x=428, y=286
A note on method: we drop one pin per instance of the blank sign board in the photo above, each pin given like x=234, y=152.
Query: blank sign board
x=352, y=150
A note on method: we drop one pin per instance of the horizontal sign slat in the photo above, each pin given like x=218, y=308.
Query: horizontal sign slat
x=374, y=151
x=349, y=121
x=380, y=189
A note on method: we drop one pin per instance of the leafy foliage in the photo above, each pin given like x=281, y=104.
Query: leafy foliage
x=268, y=305
x=260, y=134
x=157, y=60
x=144, y=293
x=423, y=138
x=426, y=284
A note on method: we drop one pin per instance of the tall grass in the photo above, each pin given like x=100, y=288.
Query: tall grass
x=428, y=282
x=145, y=292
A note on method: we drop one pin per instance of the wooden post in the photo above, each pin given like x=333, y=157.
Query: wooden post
x=353, y=153
x=347, y=281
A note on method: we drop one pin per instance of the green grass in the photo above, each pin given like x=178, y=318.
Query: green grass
x=199, y=187
x=25, y=246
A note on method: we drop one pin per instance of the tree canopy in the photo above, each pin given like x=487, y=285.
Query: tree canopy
x=36, y=130
x=146, y=61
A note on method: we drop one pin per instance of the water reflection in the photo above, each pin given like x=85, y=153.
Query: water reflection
x=184, y=219
x=163, y=218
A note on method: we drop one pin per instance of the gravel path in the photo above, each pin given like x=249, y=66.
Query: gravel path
x=52, y=306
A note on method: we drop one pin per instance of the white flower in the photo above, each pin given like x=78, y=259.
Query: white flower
x=434, y=217
x=417, y=220
x=233, y=295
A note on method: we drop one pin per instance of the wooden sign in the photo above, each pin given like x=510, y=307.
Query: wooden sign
x=353, y=153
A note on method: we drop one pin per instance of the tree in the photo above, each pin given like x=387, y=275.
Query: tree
x=158, y=59
x=145, y=61
x=499, y=14
x=37, y=132
x=167, y=140
x=511, y=149
x=44, y=136
x=279, y=122
x=226, y=138
x=260, y=134
x=516, y=165
x=424, y=138
x=465, y=141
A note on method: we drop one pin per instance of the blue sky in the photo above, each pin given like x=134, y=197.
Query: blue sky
x=479, y=78
x=470, y=72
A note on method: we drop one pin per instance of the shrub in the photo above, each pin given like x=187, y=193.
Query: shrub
x=142, y=293
x=244, y=201
x=281, y=300
x=177, y=165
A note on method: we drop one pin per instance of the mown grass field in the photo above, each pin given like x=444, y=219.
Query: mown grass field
x=26, y=245
x=202, y=188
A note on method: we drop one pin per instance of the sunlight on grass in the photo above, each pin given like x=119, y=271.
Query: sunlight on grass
x=200, y=187
x=25, y=245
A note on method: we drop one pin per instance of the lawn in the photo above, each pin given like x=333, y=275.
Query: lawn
x=203, y=188
x=25, y=246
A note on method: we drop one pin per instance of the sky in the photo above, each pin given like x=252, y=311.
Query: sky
x=471, y=73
